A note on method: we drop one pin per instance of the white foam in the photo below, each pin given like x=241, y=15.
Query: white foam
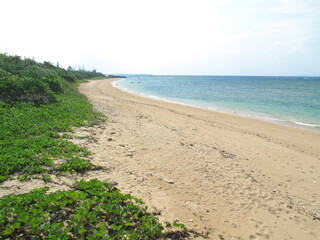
x=307, y=124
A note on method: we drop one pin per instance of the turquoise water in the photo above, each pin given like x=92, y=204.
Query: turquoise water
x=292, y=99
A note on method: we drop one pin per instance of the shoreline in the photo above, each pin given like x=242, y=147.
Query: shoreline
x=234, y=177
x=270, y=119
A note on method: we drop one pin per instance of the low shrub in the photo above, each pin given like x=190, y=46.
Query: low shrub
x=25, y=80
x=93, y=210
x=18, y=89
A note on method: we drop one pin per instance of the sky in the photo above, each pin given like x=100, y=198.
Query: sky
x=179, y=37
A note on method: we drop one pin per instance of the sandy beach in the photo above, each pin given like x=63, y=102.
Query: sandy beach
x=231, y=177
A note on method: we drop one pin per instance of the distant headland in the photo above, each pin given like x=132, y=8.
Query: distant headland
x=116, y=76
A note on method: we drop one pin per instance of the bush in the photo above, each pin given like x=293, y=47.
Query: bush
x=54, y=83
x=29, y=81
x=17, y=89
x=69, y=76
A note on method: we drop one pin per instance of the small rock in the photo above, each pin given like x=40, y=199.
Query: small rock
x=110, y=139
x=140, y=179
x=122, y=145
x=131, y=150
x=169, y=181
x=129, y=155
x=156, y=211
x=190, y=220
x=221, y=237
x=228, y=155
x=111, y=182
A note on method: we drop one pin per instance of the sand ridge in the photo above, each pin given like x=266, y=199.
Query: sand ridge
x=233, y=177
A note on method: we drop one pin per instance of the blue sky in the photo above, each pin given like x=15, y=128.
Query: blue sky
x=209, y=37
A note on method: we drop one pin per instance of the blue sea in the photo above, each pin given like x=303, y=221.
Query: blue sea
x=278, y=99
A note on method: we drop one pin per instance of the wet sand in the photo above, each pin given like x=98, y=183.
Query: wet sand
x=234, y=177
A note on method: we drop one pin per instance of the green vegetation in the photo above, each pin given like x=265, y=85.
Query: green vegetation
x=93, y=210
x=36, y=103
x=25, y=80
x=39, y=104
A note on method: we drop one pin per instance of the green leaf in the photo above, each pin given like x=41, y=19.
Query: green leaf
x=23, y=217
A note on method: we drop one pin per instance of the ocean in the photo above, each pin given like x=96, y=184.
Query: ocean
x=277, y=99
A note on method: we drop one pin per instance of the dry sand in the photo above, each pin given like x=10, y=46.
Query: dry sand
x=233, y=177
